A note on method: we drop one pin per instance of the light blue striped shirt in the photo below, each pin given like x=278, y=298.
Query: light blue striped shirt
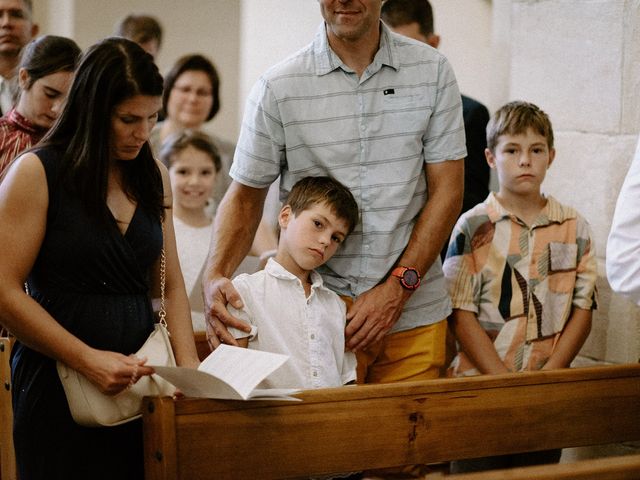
x=312, y=115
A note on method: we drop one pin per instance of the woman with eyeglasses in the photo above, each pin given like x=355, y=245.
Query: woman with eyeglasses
x=191, y=98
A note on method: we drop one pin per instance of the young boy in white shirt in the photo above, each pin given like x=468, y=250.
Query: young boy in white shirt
x=289, y=309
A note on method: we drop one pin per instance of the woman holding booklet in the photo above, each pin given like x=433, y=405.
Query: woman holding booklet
x=81, y=222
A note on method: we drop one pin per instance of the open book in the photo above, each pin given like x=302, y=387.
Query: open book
x=230, y=373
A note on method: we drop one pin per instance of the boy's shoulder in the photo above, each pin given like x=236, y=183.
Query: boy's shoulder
x=276, y=273
x=560, y=212
x=492, y=210
x=476, y=217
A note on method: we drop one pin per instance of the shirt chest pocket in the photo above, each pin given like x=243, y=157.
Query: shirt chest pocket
x=410, y=112
x=562, y=257
x=398, y=100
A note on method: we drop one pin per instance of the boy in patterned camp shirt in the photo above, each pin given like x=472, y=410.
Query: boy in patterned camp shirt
x=520, y=266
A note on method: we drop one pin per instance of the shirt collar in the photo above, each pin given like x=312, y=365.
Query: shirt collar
x=326, y=60
x=276, y=270
x=553, y=212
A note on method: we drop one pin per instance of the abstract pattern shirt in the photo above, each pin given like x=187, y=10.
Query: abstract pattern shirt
x=521, y=281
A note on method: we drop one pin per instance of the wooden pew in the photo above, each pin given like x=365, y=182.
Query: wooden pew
x=610, y=468
x=7, y=456
x=377, y=426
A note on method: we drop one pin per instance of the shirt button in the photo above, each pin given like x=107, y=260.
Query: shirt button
x=315, y=374
x=313, y=336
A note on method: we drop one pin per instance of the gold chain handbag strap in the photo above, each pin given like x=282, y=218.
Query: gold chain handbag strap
x=162, y=313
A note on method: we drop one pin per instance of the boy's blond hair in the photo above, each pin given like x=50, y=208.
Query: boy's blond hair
x=313, y=190
x=515, y=118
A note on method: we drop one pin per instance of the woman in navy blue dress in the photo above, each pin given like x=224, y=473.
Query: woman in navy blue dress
x=80, y=222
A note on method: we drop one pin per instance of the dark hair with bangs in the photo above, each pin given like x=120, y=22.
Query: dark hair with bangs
x=310, y=191
x=197, y=63
x=110, y=72
x=515, y=118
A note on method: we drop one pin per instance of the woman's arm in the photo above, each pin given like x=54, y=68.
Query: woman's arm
x=24, y=201
x=176, y=300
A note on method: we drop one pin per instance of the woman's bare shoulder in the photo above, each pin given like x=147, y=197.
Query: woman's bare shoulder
x=25, y=175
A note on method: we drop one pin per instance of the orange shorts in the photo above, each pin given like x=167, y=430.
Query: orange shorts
x=416, y=354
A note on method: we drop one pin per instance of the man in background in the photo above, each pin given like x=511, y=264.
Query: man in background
x=414, y=19
x=145, y=30
x=16, y=30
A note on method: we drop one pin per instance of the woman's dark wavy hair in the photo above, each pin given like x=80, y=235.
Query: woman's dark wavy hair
x=198, y=63
x=110, y=72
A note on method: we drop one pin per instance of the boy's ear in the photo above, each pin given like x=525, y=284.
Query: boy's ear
x=491, y=159
x=284, y=216
x=552, y=156
x=433, y=40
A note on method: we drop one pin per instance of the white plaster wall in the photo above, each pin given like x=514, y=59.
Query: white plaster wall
x=567, y=56
x=271, y=30
x=464, y=27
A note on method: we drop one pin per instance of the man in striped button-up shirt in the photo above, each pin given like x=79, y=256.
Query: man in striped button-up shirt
x=382, y=114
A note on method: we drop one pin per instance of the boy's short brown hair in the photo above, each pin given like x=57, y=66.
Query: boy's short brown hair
x=310, y=191
x=140, y=28
x=515, y=118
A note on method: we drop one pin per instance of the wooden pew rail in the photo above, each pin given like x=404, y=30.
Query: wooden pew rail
x=377, y=426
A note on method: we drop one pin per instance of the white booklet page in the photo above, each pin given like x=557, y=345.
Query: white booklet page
x=229, y=373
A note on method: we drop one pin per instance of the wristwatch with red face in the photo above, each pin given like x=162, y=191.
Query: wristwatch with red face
x=409, y=277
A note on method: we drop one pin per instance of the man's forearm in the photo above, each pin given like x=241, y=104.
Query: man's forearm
x=437, y=218
x=234, y=228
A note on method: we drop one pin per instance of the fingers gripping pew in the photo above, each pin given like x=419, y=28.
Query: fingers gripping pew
x=377, y=426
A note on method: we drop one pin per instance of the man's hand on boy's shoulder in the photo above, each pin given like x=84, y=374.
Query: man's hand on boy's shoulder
x=218, y=292
x=372, y=314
